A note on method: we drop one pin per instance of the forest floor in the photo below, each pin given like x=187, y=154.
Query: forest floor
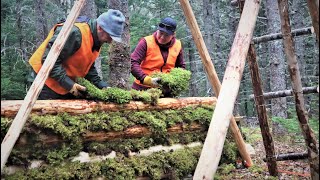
x=285, y=142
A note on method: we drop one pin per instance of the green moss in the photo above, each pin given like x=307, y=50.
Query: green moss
x=120, y=96
x=176, y=164
x=174, y=82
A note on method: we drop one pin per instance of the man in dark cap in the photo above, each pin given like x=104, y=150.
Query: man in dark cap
x=78, y=54
x=160, y=51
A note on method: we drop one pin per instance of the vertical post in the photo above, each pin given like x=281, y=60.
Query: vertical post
x=213, y=145
x=293, y=67
x=34, y=91
x=313, y=6
x=212, y=76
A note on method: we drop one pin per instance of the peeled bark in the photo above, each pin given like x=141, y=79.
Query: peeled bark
x=9, y=108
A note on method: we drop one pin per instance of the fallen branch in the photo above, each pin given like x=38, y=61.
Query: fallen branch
x=285, y=93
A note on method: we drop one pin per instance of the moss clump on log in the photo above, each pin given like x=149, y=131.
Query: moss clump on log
x=172, y=165
x=120, y=96
x=174, y=82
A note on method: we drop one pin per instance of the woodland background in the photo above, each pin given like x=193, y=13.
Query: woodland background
x=25, y=24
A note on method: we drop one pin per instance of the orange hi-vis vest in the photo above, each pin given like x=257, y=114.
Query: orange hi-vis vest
x=77, y=65
x=154, y=61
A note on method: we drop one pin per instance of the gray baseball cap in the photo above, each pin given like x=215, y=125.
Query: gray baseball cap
x=112, y=22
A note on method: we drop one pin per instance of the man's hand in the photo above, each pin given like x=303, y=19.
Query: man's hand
x=76, y=88
x=153, y=82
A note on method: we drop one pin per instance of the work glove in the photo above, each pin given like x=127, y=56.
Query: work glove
x=153, y=82
x=76, y=89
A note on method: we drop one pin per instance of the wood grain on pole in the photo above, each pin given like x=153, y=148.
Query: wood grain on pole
x=213, y=145
x=34, y=91
x=212, y=75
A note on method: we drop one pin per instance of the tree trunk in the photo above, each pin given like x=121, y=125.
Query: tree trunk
x=119, y=57
x=41, y=21
x=277, y=63
x=307, y=132
x=193, y=90
x=9, y=108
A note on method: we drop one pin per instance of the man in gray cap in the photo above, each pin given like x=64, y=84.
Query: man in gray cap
x=78, y=55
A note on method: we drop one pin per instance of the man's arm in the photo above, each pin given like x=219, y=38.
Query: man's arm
x=136, y=57
x=72, y=44
x=180, y=60
x=94, y=77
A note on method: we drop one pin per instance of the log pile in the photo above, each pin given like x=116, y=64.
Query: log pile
x=58, y=130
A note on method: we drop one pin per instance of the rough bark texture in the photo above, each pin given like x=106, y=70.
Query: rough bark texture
x=208, y=34
x=193, y=91
x=297, y=89
x=119, y=57
x=262, y=112
x=276, y=59
x=291, y=156
x=285, y=93
x=276, y=36
x=41, y=21
x=313, y=6
x=9, y=108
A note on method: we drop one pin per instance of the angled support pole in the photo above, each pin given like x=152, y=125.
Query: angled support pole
x=34, y=91
x=212, y=76
x=213, y=145
x=293, y=67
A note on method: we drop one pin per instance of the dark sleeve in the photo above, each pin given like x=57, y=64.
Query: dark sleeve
x=94, y=78
x=180, y=60
x=72, y=44
x=137, y=56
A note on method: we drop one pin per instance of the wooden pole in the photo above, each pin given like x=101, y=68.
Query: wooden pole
x=293, y=67
x=285, y=93
x=313, y=6
x=262, y=112
x=276, y=36
x=34, y=91
x=9, y=108
x=290, y=156
x=212, y=76
x=213, y=145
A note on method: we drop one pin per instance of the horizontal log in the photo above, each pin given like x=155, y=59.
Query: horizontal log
x=290, y=156
x=285, y=93
x=9, y=108
x=132, y=132
x=276, y=36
